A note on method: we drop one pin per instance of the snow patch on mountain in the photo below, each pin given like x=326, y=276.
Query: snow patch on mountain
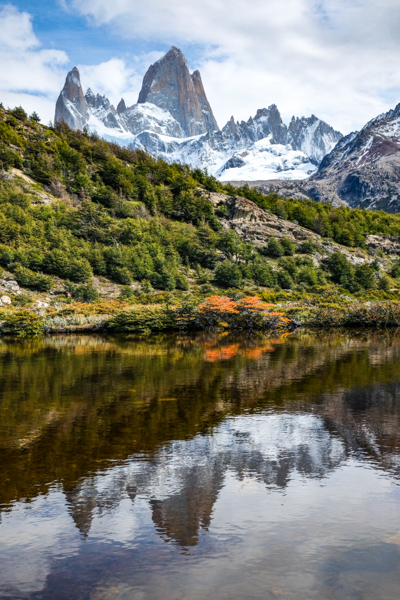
x=265, y=160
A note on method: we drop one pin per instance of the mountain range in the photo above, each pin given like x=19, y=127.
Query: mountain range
x=173, y=119
x=362, y=170
x=306, y=159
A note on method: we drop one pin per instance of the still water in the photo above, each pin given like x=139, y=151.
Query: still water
x=202, y=467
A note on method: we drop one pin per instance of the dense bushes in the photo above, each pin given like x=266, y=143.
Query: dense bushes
x=22, y=323
x=130, y=217
x=28, y=279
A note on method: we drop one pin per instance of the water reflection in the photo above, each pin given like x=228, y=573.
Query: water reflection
x=271, y=464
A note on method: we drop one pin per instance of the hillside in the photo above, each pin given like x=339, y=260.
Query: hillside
x=85, y=218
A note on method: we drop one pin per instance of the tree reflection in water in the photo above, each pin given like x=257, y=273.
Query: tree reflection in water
x=170, y=419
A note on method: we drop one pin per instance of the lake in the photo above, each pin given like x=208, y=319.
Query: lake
x=199, y=467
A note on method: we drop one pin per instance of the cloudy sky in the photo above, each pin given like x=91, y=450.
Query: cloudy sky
x=338, y=59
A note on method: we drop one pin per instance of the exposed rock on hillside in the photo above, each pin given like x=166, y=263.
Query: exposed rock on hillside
x=254, y=224
x=389, y=244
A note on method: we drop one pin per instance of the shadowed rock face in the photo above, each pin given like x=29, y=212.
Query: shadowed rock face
x=211, y=123
x=169, y=85
x=71, y=107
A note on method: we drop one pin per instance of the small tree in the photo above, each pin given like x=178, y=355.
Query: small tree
x=307, y=276
x=306, y=247
x=19, y=113
x=274, y=248
x=384, y=283
x=284, y=280
x=340, y=269
x=395, y=272
x=365, y=276
x=35, y=117
x=228, y=275
x=289, y=248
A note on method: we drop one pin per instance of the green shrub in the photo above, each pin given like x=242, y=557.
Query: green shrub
x=122, y=275
x=6, y=256
x=22, y=323
x=274, y=248
x=384, y=283
x=22, y=300
x=306, y=247
x=142, y=319
x=181, y=282
x=365, y=276
x=1, y=273
x=289, y=265
x=340, y=269
x=127, y=293
x=29, y=279
x=228, y=275
x=262, y=274
x=82, y=293
x=307, y=276
x=63, y=265
x=284, y=280
x=395, y=271
x=164, y=280
x=146, y=286
x=288, y=246
x=19, y=113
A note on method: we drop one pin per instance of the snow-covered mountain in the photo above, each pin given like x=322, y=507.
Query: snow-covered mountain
x=363, y=169
x=173, y=119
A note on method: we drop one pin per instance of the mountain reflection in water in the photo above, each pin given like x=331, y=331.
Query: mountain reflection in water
x=271, y=465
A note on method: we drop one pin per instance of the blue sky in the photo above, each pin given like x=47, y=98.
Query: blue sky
x=337, y=59
x=63, y=29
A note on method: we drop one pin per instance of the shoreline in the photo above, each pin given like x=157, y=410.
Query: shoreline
x=220, y=314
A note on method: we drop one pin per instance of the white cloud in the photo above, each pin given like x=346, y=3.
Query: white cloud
x=115, y=79
x=33, y=77
x=336, y=58
x=30, y=75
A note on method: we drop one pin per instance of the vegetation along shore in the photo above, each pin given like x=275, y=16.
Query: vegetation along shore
x=98, y=237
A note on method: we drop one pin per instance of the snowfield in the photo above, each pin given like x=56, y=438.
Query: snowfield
x=264, y=160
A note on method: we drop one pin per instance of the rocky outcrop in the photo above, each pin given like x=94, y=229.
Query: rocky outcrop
x=389, y=244
x=71, y=107
x=169, y=85
x=254, y=224
x=121, y=106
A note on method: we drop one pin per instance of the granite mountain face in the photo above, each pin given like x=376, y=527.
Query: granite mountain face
x=174, y=120
x=169, y=85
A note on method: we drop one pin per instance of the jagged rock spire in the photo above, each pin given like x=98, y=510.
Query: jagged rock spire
x=169, y=85
x=121, y=106
x=71, y=107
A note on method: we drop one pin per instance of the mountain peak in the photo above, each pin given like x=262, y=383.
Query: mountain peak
x=121, y=106
x=71, y=107
x=169, y=85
